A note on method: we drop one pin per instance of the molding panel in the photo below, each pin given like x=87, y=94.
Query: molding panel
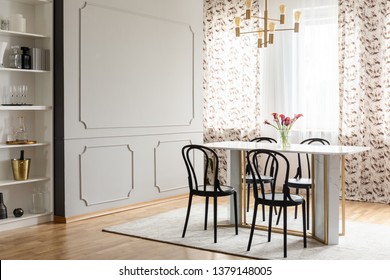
x=170, y=172
x=106, y=174
x=134, y=68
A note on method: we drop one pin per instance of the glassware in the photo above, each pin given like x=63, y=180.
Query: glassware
x=283, y=138
x=21, y=134
x=6, y=96
x=4, y=24
x=12, y=94
x=23, y=95
x=38, y=201
x=3, y=46
x=15, y=58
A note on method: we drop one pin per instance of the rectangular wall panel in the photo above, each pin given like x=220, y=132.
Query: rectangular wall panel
x=137, y=68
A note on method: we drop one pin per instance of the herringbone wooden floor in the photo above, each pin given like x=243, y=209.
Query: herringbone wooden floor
x=84, y=239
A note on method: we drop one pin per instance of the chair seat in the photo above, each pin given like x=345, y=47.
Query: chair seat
x=226, y=190
x=278, y=200
x=264, y=178
x=303, y=182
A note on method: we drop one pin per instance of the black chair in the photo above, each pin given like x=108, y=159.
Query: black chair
x=298, y=182
x=267, y=172
x=273, y=199
x=205, y=189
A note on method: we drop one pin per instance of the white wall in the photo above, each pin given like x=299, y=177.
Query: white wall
x=132, y=99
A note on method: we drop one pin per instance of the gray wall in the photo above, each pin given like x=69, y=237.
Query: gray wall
x=132, y=97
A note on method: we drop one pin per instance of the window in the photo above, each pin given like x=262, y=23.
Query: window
x=307, y=81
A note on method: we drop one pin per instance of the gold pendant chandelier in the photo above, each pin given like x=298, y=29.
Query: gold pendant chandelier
x=266, y=33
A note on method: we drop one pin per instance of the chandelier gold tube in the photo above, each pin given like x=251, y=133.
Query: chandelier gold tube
x=297, y=18
x=282, y=9
x=260, y=39
x=248, y=9
x=271, y=32
x=237, y=21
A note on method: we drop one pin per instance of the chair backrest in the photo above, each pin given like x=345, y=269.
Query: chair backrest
x=308, y=141
x=267, y=167
x=263, y=139
x=277, y=160
x=210, y=162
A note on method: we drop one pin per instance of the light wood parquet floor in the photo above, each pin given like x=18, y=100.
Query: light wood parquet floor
x=84, y=240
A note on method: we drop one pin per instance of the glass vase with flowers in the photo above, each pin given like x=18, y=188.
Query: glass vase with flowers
x=283, y=125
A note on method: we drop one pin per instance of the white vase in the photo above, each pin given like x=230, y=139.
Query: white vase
x=3, y=46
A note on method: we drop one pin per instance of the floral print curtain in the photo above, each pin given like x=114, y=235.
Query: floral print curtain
x=231, y=76
x=364, y=52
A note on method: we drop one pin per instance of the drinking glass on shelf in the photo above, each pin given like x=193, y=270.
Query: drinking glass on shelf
x=12, y=94
x=19, y=95
x=24, y=94
x=5, y=99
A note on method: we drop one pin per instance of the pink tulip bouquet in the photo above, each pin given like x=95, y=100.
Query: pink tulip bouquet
x=283, y=124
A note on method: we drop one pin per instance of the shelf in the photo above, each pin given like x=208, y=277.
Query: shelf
x=26, y=216
x=26, y=108
x=23, y=70
x=5, y=146
x=14, y=182
x=33, y=2
x=10, y=33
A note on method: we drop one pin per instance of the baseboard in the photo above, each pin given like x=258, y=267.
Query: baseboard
x=65, y=220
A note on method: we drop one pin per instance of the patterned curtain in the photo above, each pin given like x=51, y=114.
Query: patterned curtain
x=231, y=76
x=364, y=49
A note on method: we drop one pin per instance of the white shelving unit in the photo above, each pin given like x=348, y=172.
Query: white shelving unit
x=38, y=116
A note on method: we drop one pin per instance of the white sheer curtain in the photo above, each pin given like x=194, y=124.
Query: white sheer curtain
x=300, y=71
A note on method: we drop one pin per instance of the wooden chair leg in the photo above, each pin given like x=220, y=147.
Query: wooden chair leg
x=278, y=219
x=308, y=207
x=270, y=224
x=248, y=196
x=206, y=212
x=285, y=231
x=304, y=224
x=263, y=211
x=235, y=212
x=215, y=218
x=253, y=227
x=188, y=215
x=296, y=207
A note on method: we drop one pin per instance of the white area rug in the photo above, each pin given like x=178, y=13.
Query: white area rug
x=362, y=241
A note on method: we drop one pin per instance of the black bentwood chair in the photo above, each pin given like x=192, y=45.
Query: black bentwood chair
x=298, y=182
x=273, y=199
x=267, y=172
x=205, y=188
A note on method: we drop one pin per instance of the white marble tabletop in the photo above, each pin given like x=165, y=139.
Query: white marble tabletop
x=294, y=148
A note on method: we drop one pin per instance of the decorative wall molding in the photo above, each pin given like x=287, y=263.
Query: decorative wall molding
x=169, y=169
x=152, y=80
x=106, y=174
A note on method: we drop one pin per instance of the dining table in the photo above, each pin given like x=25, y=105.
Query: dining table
x=328, y=181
